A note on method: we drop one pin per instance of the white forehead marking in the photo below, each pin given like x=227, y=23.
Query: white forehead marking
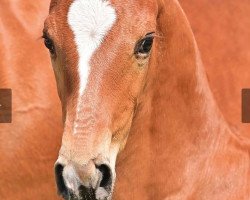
x=90, y=21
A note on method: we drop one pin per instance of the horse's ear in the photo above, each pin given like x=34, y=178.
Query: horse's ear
x=176, y=44
x=171, y=17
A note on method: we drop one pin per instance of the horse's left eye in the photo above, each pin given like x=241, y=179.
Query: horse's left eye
x=49, y=44
x=144, y=45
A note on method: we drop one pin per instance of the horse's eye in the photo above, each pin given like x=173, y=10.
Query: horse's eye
x=144, y=45
x=49, y=44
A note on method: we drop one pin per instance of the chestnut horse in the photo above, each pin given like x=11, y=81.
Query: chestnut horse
x=129, y=73
x=29, y=145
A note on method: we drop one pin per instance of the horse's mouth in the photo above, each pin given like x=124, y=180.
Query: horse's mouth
x=89, y=194
x=84, y=194
x=73, y=188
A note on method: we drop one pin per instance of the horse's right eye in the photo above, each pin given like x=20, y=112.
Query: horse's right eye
x=49, y=44
x=144, y=45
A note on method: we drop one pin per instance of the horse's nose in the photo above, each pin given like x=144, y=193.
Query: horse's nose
x=89, y=182
x=61, y=187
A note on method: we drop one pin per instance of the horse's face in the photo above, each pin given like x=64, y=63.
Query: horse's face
x=100, y=53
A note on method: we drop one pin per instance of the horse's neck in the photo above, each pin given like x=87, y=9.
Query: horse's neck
x=182, y=105
x=177, y=122
x=177, y=109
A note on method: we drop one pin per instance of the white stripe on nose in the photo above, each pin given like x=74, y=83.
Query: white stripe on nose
x=90, y=21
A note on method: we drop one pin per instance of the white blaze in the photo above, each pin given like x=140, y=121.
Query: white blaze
x=90, y=21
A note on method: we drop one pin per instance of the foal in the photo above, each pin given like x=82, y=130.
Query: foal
x=129, y=72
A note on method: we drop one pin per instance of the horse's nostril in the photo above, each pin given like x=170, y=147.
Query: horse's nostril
x=106, y=175
x=62, y=189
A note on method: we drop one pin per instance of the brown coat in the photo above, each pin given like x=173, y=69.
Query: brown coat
x=30, y=144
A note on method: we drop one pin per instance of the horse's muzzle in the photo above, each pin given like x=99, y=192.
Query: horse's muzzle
x=90, y=182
